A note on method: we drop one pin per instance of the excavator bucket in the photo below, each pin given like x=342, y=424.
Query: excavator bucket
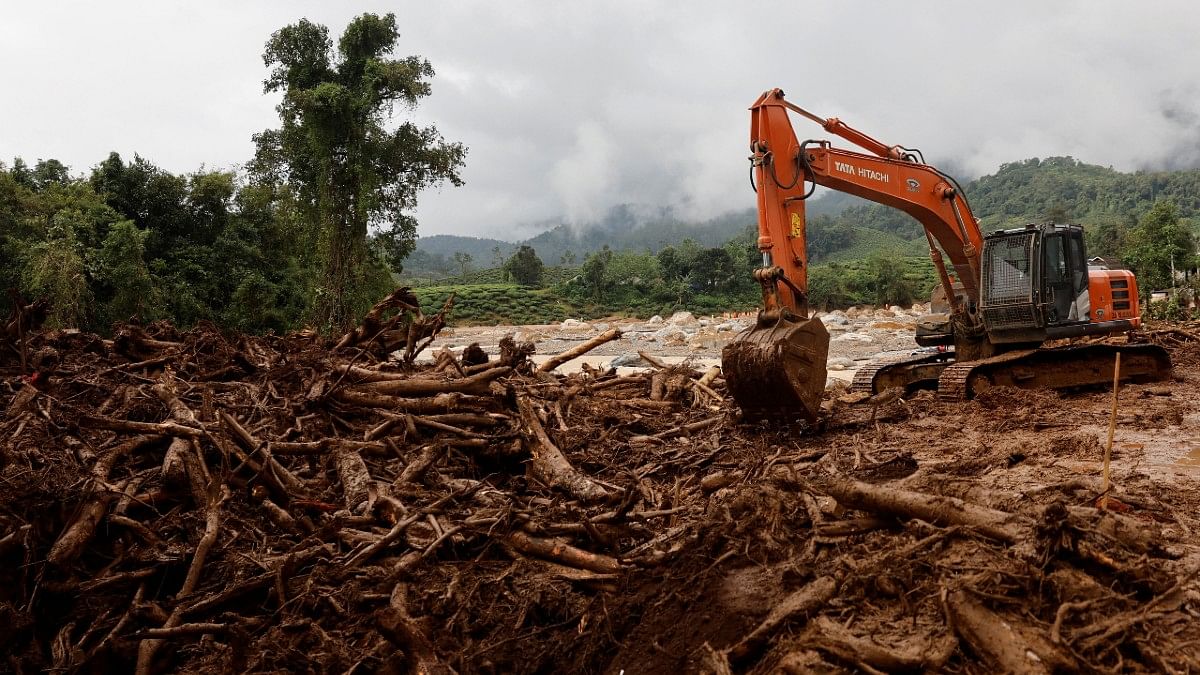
x=776, y=368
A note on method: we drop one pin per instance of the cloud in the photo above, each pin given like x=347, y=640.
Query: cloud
x=571, y=108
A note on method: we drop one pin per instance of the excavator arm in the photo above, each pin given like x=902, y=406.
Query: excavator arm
x=778, y=365
x=786, y=170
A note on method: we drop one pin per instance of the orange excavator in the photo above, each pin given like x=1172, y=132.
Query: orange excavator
x=1003, y=296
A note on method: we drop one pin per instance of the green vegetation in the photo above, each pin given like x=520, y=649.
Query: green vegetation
x=525, y=267
x=347, y=170
x=476, y=304
x=285, y=245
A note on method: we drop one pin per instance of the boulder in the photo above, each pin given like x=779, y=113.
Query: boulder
x=836, y=317
x=628, y=360
x=574, y=324
x=895, y=309
x=884, y=314
x=683, y=319
x=854, y=337
x=671, y=334
x=655, y=320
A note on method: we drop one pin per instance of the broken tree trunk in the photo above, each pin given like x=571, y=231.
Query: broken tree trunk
x=475, y=384
x=999, y=525
x=75, y=537
x=579, y=350
x=800, y=604
x=1004, y=645
x=549, y=465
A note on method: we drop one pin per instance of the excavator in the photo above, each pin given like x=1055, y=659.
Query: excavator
x=1003, y=295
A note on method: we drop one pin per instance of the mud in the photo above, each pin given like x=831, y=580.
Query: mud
x=348, y=532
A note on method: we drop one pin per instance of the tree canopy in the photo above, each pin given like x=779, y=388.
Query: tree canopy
x=348, y=169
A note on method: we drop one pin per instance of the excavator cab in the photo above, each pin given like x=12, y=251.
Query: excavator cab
x=1035, y=283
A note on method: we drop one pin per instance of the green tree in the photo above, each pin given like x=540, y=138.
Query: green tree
x=497, y=256
x=463, y=260
x=525, y=267
x=349, y=170
x=1160, y=243
x=885, y=283
x=122, y=268
x=713, y=270
x=567, y=258
x=828, y=286
x=594, y=274
x=55, y=270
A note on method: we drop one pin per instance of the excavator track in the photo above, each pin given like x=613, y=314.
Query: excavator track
x=1055, y=368
x=905, y=370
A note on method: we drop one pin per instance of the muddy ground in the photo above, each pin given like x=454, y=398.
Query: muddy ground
x=198, y=502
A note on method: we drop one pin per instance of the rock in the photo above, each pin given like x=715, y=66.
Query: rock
x=835, y=366
x=895, y=309
x=683, y=319
x=574, y=324
x=728, y=327
x=672, y=334
x=627, y=360
x=884, y=314
x=854, y=337
x=853, y=312
x=837, y=317
x=600, y=326
x=841, y=361
x=705, y=323
x=655, y=320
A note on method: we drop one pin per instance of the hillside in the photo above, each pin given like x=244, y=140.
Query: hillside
x=1031, y=190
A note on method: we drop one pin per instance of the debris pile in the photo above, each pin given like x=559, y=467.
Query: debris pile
x=197, y=501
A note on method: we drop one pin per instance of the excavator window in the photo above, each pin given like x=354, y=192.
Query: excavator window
x=1065, y=277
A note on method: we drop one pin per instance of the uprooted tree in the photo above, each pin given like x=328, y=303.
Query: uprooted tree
x=335, y=149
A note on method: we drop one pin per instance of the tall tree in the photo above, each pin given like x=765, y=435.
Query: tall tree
x=335, y=148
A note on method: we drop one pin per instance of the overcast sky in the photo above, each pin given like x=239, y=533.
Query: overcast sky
x=571, y=107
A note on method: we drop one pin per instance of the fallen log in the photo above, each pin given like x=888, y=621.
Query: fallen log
x=579, y=350
x=474, y=384
x=929, y=655
x=796, y=606
x=130, y=426
x=354, y=477
x=418, y=654
x=563, y=553
x=548, y=464
x=935, y=509
x=75, y=537
x=1003, y=645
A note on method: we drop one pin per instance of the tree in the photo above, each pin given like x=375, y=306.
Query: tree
x=497, y=256
x=568, y=258
x=595, y=273
x=463, y=260
x=122, y=267
x=348, y=169
x=525, y=267
x=713, y=270
x=55, y=271
x=885, y=283
x=1159, y=244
